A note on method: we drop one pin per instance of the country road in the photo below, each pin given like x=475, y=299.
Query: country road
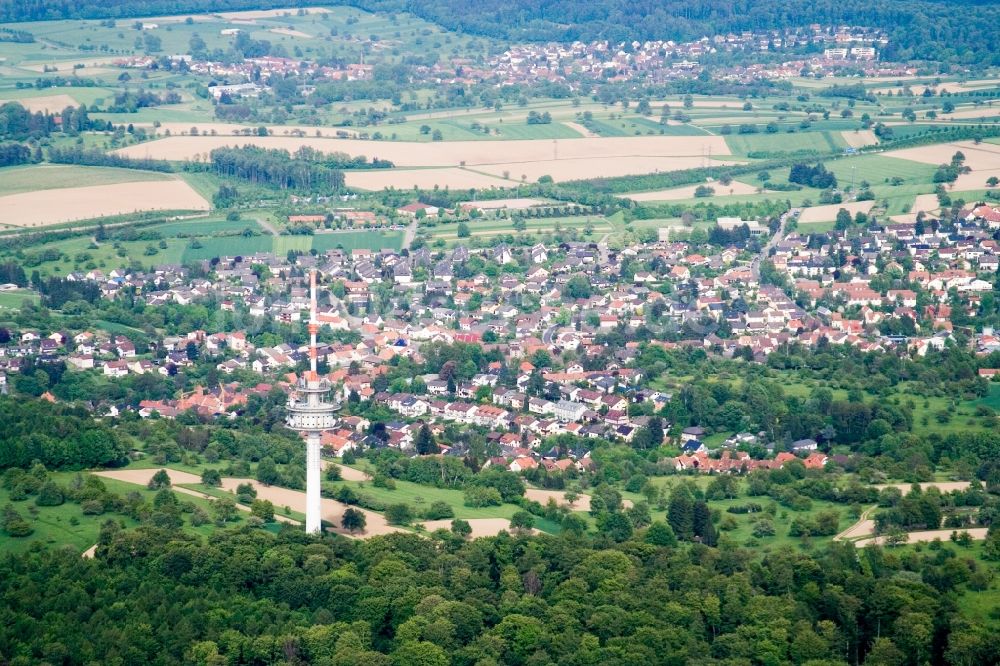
x=864, y=527
x=778, y=236
x=411, y=232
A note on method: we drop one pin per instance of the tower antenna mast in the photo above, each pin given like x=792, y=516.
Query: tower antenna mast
x=311, y=413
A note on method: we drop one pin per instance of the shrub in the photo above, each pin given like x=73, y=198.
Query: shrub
x=263, y=509
x=160, y=480
x=439, y=511
x=14, y=525
x=50, y=495
x=480, y=496
x=763, y=528
x=353, y=520
x=522, y=520
x=461, y=528
x=398, y=514
x=199, y=517
x=246, y=493
x=212, y=477
x=346, y=495
x=383, y=481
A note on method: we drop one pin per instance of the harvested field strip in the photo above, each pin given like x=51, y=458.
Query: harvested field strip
x=860, y=138
x=41, y=104
x=15, y=180
x=41, y=208
x=424, y=179
x=829, y=212
x=977, y=533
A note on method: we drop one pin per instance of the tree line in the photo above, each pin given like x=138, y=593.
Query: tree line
x=19, y=124
x=97, y=157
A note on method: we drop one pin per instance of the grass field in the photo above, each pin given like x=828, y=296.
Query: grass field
x=635, y=125
x=12, y=300
x=81, y=254
x=993, y=399
x=744, y=523
x=54, y=526
x=207, y=226
x=238, y=245
x=420, y=497
x=821, y=142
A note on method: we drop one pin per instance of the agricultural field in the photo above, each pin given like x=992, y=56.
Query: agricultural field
x=829, y=212
x=49, y=195
x=446, y=153
x=983, y=158
x=17, y=180
x=821, y=142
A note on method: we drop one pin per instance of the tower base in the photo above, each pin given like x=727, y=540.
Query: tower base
x=314, y=521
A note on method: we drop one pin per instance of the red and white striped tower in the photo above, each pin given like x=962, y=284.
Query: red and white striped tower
x=309, y=412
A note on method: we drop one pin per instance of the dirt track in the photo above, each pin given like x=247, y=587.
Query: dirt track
x=977, y=533
x=866, y=526
x=481, y=527
x=348, y=473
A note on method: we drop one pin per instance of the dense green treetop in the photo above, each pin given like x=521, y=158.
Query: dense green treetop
x=154, y=596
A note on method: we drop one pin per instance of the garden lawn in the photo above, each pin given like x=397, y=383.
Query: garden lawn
x=12, y=300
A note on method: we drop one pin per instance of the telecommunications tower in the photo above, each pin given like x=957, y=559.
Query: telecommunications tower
x=310, y=412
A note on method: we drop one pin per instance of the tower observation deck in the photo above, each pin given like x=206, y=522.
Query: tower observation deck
x=311, y=413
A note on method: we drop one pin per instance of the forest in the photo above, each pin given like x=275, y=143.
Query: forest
x=154, y=595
